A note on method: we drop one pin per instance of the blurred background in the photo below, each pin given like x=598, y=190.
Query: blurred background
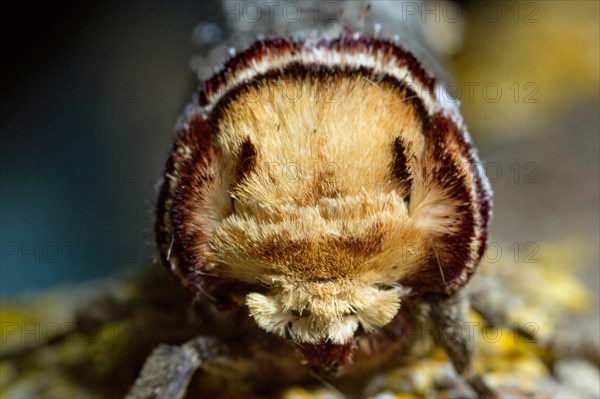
x=91, y=93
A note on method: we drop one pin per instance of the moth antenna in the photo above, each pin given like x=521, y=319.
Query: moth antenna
x=438, y=261
x=200, y=272
x=373, y=83
x=170, y=247
x=205, y=293
x=405, y=99
x=404, y=111
x=367, y=262
x=326, y=384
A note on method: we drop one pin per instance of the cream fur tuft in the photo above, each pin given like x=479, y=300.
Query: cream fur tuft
x=319, y=312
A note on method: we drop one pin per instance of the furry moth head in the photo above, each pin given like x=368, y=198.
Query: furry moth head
x=317, y=184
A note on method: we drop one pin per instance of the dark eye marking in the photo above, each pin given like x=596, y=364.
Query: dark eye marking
x=246, y=161
x=399, y=167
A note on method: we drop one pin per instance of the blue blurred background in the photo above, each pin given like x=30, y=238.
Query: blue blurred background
x=88, y=114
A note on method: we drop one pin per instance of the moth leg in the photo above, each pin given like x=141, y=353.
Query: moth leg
x=450, y=314
x=169, y=369
x=493, y=306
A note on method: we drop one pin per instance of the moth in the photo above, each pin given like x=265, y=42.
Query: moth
x=321, y=201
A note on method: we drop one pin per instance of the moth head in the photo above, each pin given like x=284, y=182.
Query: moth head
x=324, y=314
x=363, y=180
